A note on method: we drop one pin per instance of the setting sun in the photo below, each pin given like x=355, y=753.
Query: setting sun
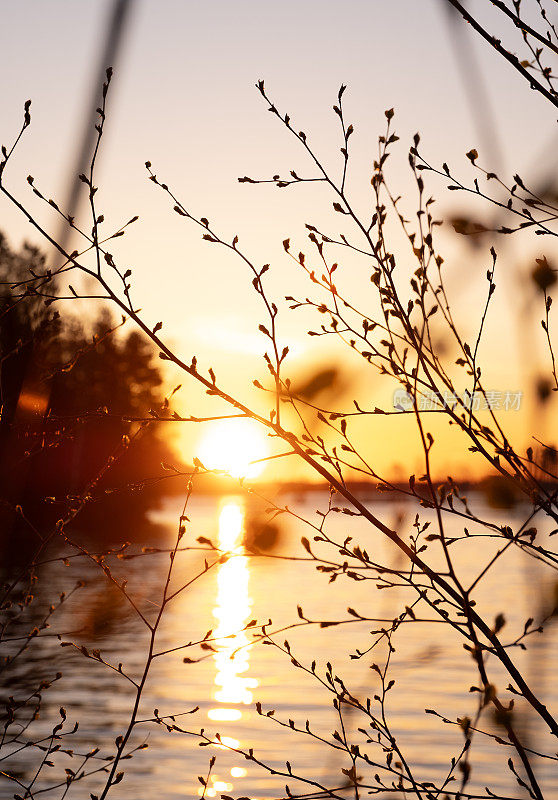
x=234, y=446
x=211, y=427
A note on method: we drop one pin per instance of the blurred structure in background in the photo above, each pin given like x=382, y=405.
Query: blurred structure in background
x=111, y=48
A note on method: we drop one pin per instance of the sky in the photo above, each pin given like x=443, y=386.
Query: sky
x=184, y=98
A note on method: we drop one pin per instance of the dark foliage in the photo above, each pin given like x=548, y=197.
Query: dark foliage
x=71, y=401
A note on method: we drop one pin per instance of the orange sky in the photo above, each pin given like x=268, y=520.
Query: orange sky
x=184, y=98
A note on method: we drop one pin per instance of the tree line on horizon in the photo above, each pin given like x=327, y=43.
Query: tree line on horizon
x=72, y=392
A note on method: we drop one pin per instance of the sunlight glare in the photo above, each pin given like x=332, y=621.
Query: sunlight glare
x=232, y=610
x=232, y=445
x=225, y=742
x=239, y=772
x=230, y=527
x=222, y=786
x=224, y=714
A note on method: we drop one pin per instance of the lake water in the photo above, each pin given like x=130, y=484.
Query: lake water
x=429, y=665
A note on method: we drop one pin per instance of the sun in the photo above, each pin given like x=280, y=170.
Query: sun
x=234, y=446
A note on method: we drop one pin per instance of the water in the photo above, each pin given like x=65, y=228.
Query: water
x=429, y=664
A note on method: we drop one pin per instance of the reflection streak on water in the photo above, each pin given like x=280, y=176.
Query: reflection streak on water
x=232, y=611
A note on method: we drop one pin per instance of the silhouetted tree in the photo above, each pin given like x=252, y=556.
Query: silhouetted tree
x=69, y=396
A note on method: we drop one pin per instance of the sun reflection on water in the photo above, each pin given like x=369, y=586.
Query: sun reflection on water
x=233, y=688
x=232, y=611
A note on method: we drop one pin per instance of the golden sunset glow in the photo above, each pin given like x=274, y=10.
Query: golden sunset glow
x=239, y=772
x=279, y=469
x=232, y=610
x=233, y=688
x=225, y=742
x=215, y=786
x=234, y=446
